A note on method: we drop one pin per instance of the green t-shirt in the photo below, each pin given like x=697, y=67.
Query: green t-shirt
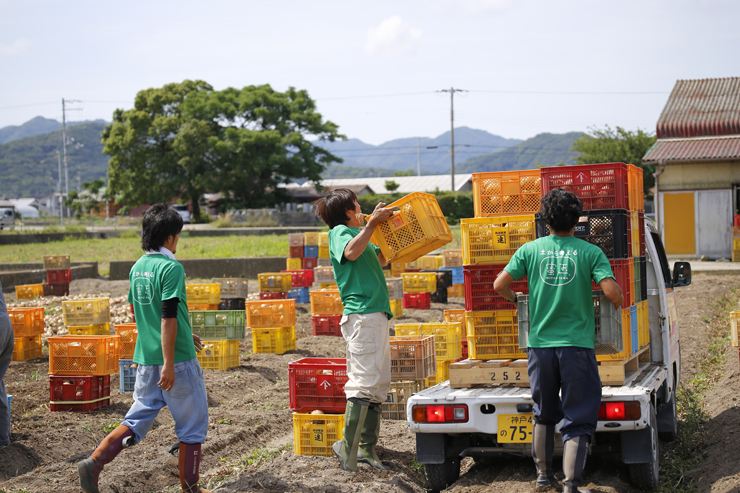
x=559, y=271
x=155, y=278
x=361, y=282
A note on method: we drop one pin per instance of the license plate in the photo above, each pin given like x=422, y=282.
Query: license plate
x=515, y=428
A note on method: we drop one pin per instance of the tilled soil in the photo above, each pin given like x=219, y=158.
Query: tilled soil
x=249, y=418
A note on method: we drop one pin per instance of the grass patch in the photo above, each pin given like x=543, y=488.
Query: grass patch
x=109, y=426
x=686, y=452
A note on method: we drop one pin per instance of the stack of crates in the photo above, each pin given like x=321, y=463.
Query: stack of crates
x=447, y=344
x=274, y=285
x=444, y=282
x=220, y=331
x=272, y=323
x=614, y=220
x=326, y=312
x=81, y=363
x=234, y=292
x=310, y=250
x=28, y=326
x=58, y=275
x=452, y=260
x=395, y=295
x=504, y=204
x=295, y=245
x=459, y=316
x=128, y=334
x=301, y=280
x=316, y=388
x=203, y=297
x=418, y=288
x=324, y=245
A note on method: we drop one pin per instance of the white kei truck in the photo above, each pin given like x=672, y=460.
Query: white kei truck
x=452, y=423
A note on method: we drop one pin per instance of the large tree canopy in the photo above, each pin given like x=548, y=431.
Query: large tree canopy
x=616, y=145
x=185, y=139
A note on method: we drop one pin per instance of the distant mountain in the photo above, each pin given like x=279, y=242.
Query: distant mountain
x=341, y=171
x=29, y=166
x=401, y=154
x=543, y=150
x=36, y=126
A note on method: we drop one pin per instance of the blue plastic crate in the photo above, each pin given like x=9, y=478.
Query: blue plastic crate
x=633, y=328
x=127, y=375
x=311, y=251
x=457, y=274
x=300, y=295
x=10, y=399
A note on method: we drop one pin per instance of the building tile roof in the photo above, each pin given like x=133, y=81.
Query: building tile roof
x=701, y=107
x=406, y=184
x=695, y=149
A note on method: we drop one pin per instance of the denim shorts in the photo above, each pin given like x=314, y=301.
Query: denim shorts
x=186, y=400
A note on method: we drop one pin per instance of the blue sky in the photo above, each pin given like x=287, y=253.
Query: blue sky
x=531, y=66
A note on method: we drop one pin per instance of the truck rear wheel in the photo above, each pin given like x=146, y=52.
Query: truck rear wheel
x=440, y=476
x=645, y=475
x=668, y=420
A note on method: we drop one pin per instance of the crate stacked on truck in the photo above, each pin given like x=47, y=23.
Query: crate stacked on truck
x=447, y=344
x=81, y=362
x=272, y=323
x=58, y=275
x=413, y=363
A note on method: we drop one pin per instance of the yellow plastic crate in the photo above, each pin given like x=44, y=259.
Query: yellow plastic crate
x=455, y=316
x=456, y=291
x=736, y=255
x=275, y=282
x=128, y=334
x=643, y=324
x=84, y=355
x=442, y=375
x=277, y=340
x=506, y=192
x=324, y=275
x=27, y=321
x=493, y=335
x=635, y=233
x=419, y=282
x=314, y=434
x=447, y=337
x=493, y=240
x=734, y=317
x=430, y=262
x=394, y=406
x=293, y=264
x=397, y=268
x=412, y=357
x=29, y=291
x=736, y=243
x=634, y=180
x=328, y=285
x=626, y=351
x=203, y=294
x=202, y=308
x=310, y=239
x=397, y=308
x=417, y=229
x=452, y=258
x=90, y=311
x=57, y=262
x=326, y=302
x=323, y=240
x=26, y=347
x=90, y=330
x=219, y=355
x=324, y=252
x=270, y=313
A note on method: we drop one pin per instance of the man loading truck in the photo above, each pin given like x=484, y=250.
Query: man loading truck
x=560, y=353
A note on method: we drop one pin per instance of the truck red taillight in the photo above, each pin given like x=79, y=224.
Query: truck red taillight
x=619, y=411
x=440, y=413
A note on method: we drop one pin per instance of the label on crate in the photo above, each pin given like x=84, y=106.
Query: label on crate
x=583, y=228
x=582, y=178
x=396, y=221
x=501, y=238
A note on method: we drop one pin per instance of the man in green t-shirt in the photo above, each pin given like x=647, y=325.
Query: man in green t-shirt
x=358, y=270
x=168, y=372
x=562, y=368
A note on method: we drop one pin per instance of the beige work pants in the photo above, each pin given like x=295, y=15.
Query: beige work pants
x=368, y=356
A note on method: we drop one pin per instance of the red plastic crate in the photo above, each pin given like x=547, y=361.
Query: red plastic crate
x=479, y=293
x=56, y=289
x=464, y=350
x=282, y=295
x=82, y=394
x=300, y=278
x=59, y=276
x=419, y=301
x=310, y=263
x=623, y=272
x=296, y=251
x=318, y=384
x=326, y=325
x=599, y=186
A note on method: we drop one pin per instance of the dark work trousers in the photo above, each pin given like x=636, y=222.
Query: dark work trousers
x=574, y=371
x=6, y=354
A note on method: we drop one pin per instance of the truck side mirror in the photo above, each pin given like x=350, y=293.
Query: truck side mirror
x=681, y=274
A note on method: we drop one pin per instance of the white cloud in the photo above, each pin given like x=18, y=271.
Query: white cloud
x=16, y=47
x=392, y=37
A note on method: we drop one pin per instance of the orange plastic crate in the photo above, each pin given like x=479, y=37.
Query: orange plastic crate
x=270, y=313
x=26, y=347
x=202, y=307
x=29, y=291
x=128, y=334
x=27, y=321
x=326, y=302
x=452, y=257
x=506, y=192
x=636, y=196
x=493, y=240
x=83, y=355
x=456, y=291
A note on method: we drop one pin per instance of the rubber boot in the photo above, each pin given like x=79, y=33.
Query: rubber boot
x=543, y=448
x=574, y=461
x=369, y=438
x=346, y=448
x=90, y=468
x=189, y=467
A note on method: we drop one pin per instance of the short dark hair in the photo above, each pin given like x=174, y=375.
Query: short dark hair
x=160, y=222
x=332, y=209
x=561, y=210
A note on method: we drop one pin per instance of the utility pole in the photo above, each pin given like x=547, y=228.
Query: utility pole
x=418, y=156
x=452, y=92
x=64, y=140
x=59, y=190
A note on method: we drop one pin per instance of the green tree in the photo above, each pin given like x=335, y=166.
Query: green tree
x=408, y=172
x=609, y=145
x=89, y=200
x=391, y=186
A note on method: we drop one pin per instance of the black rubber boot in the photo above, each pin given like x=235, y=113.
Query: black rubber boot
x=369, y=438
x=574, y=461
x=543, y=447
x=346, y=448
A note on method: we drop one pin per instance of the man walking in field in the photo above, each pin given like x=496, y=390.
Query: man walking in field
x=560, y=354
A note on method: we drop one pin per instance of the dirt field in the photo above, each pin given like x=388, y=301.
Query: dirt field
x=249, y=417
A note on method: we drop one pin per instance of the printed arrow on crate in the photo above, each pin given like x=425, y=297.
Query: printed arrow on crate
x=581, y=177
x=325, y=384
